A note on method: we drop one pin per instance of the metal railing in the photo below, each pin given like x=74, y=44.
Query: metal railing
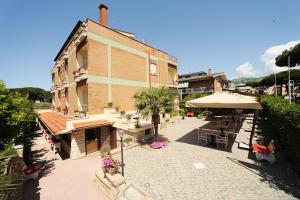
x=196, y=90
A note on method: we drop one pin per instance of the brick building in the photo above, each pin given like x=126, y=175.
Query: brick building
x=97, y=65
x=198, y=82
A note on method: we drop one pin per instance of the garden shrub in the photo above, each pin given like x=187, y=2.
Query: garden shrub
x=284, y=119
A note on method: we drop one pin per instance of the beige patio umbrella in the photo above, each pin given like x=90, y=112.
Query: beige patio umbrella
x=225, y=100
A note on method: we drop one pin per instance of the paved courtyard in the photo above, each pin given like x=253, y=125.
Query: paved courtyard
x=171, y=173
x=62, y=179
x=182, y=170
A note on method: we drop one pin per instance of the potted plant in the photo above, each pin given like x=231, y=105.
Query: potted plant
x=127, y=142
x=128, y=117
x=111, y=165
x=76, y=72
x=76, y=112
x=65, y=111
x=122, y=113
x=137, y=123
x=182, y=113
x=82, y=113
x=110, y=104
x=104, y=152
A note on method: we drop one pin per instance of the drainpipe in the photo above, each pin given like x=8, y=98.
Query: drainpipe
x=149, y=69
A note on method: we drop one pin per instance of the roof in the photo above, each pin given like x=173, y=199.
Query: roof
x=57, y=122
x=54, y=121
x=90, y=124
x=78, y=24
x=225, y=100
x=196, y=76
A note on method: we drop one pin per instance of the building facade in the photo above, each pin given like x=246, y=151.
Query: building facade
x=98, y=66
x=198, y=82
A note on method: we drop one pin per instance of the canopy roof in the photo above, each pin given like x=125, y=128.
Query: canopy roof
x=225, y=100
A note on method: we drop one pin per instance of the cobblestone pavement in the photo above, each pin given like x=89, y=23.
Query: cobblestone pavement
x=170, y=173
x=62, y=179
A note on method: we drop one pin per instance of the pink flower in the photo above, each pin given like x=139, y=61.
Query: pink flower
x=106, y=162
x=158, y=144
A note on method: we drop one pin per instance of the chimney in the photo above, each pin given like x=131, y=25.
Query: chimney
x=209, y=73
x=103, y=12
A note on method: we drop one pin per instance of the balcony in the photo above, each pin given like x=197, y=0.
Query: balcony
x=196, y=90
x=53, y=88
x=65, y=84
x=80, y=74
x=80, y=37
x=173, y=84
x=59, y=87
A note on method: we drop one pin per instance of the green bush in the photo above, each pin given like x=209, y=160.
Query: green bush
x=196, y=111
x=284, y=119
x=174, y=113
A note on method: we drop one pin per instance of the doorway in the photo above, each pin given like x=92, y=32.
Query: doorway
x=92, y=140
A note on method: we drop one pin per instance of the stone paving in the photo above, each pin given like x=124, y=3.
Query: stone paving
x=170, y=173
x=62, y=179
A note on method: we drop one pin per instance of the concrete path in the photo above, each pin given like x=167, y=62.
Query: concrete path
x=62, y=179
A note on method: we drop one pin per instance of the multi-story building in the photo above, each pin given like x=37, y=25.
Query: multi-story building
x=97, y=65
x=198, y=82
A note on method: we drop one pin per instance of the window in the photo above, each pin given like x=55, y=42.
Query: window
x=153, y=65
x=66, y=65
x=91, y=134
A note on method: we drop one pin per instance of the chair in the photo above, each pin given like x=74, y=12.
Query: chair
x=265, y=152
x=222, y=139
x=202, y=137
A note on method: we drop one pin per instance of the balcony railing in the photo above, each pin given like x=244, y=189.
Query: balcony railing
x=80, y=74
x=196, y=90
x=173, y=84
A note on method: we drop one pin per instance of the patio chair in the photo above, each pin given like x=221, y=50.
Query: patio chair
x=202, y=137
x=222, y=139
x=265, y=152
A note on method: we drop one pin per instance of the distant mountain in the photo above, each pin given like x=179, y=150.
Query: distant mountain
x=245, y=80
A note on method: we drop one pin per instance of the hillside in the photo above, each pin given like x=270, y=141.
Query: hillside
x=245, y=80
x=34, y=94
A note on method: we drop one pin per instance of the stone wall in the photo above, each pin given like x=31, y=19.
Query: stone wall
x=78, y=145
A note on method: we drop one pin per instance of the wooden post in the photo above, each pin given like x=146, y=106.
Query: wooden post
x=253, y=131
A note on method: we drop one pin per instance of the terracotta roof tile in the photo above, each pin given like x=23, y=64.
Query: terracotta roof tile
x=55, y=121
x=94, y=123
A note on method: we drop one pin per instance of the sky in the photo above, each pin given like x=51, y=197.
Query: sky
x=240, y=38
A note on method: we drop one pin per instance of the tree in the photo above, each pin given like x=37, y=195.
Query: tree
x=281, y=78
x=34, y=94
x=153, y=101
x=253, y=83
x=293, y=53
x=17, y=118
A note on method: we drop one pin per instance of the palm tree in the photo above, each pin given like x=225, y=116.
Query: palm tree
x=153, y=101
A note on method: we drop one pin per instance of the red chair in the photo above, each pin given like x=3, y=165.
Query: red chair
x=190, y=114
x=265, y=152
x=32, y=171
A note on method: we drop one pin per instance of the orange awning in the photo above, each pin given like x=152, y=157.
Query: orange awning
x=90, y=124
x=54, y=121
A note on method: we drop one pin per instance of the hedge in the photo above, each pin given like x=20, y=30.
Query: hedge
x=284, y=119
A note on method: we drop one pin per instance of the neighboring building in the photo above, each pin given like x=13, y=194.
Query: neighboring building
x=202, y=82
x=97, y=65
x=242, y=87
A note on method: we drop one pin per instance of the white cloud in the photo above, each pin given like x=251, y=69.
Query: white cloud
x=246, y=70
x=268, y=57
